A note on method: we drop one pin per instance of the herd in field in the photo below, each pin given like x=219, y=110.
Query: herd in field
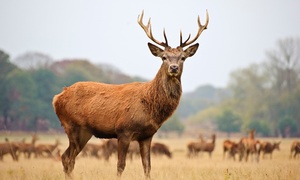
x=29, y=149
x=104, y=150
x=246, y=147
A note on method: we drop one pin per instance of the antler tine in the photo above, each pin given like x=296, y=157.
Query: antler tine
x=181, y=44
x=165, y=36
x=148, y=31
x=200, y=30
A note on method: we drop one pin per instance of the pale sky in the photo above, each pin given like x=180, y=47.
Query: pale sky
x=239, y=32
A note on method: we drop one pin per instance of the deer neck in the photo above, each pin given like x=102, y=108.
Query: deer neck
x=163, y=95
x=167, y=86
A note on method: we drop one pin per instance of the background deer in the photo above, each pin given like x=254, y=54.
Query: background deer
x=47, y=149
x=92, y=150
x=249, y=146
x=231, y=147
x=268, y=148
x=110, y=147
x=128, y=112
x=160, y=149
x=9, y=148
x=195, y=147
x=295, y=148
x=28, y=148
x=209, y=147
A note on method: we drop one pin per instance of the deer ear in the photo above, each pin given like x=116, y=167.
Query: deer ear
x=156, y=51
x=190, y=51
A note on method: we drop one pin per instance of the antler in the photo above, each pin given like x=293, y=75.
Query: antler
x=201, y=28
x=148, y=31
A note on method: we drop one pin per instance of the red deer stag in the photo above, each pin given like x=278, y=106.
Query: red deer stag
x=111, y=147
x=128, y=112
x=295, y=148
x=48, y=149
x=28, y=148
x=268, y=148
x=250, y=146
x=9, y=148
x=241, y=149
x=160, y=149
x=210, y=146
x=231, y=147
x=92, y=150
x=133, y=150
x=195, y=147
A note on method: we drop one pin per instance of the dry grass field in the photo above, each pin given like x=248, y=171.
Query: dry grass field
x=178, y=168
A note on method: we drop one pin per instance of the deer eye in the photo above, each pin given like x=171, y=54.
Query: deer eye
x=182, y=58
x=164, y=58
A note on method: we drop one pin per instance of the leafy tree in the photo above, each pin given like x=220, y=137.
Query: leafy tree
x=21, y=96
x=283, y=65
x=228, y=122
x=71, y=71
x=5, y=68
x=249, y=91
x=287, y=126
x=205, y=115
x=282, y=69
x=173, y=124
x=269, y=91
x=33, y=60
x=73, y=75
x=203, y=97
x=260, y=126
x=46, y=87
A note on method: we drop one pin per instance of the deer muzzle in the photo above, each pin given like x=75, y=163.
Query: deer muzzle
x=173, y=69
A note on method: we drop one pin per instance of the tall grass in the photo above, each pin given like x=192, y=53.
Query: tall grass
x=178, y=168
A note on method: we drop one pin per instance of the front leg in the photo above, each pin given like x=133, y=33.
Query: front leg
x=145, y=155
x=123, y=144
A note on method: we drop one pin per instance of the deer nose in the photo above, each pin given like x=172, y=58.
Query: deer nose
x=174, y=68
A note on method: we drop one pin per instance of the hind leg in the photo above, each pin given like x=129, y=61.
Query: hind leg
x=78, y=138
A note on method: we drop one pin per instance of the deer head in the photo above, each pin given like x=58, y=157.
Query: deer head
x=173, y=57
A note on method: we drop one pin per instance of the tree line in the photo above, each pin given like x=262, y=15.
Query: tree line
x=28, y=84
x=264, y=96
x=27, y=92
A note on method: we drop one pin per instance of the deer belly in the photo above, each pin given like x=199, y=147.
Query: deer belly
x=102, y=129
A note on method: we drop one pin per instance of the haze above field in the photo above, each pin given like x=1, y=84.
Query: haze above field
x=238, y=34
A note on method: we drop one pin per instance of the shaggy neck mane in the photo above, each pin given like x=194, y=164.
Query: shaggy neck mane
x=162, y=96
